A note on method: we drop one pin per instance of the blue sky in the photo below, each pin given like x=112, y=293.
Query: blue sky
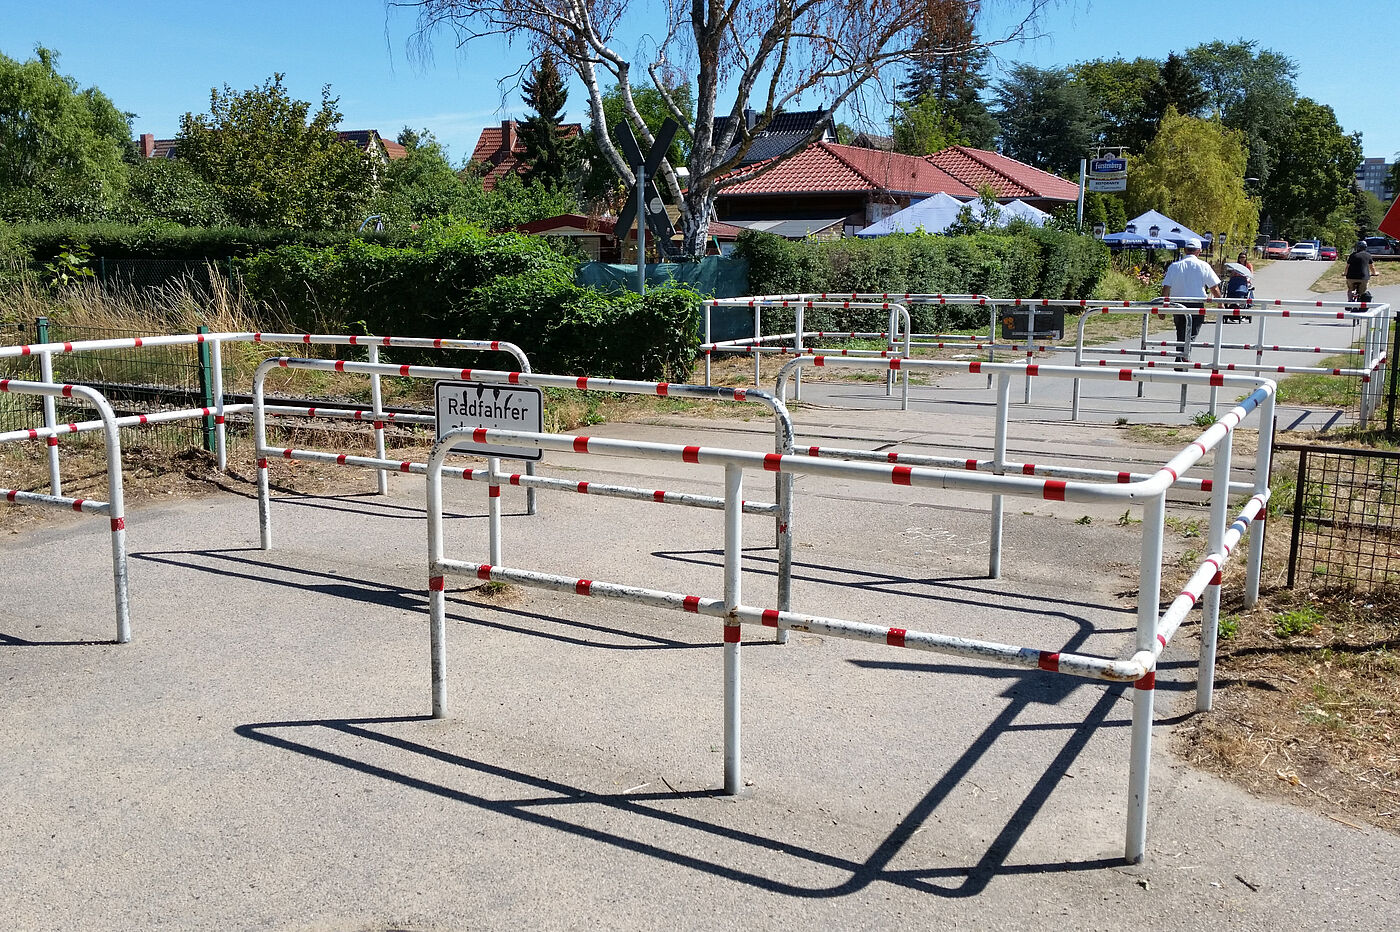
x=159, y=58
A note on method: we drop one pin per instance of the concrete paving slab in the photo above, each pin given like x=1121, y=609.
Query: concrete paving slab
x=260, y=756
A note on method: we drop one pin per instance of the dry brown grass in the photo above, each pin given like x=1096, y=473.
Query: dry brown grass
x=1307, y=699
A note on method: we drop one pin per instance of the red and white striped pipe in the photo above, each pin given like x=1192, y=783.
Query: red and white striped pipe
x=113, y=508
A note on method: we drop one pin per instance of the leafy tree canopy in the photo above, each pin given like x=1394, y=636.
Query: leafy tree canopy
x=169, y=190
x=422, y=185
x=270, y=165
x=1193, y=171
x=1046, y=119
x=1315, y=172
x=1251, y=91
x=949, y=65
x=924, y=127
x=1118, y=89
x=61, y=148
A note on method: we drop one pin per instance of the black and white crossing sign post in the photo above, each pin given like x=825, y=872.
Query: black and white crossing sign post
x=644, y=199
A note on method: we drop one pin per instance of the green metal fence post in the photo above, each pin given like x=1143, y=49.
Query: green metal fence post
x=206, y=390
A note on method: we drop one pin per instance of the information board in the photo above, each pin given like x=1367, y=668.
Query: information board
x=1049, y=324
x=468, y=405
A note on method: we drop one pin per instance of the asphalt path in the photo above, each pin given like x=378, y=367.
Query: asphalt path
x=258, y=757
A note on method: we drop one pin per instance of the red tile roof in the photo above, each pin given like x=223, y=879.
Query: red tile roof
x=364, y=139
x=1006, y=176
x=830, y=168
x=491, y=150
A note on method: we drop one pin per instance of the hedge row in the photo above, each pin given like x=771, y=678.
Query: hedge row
x=36, y=243
x=1031, y=262
x=471, y=285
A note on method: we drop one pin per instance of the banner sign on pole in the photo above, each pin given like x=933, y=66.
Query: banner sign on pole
x=468, y=405
x=1107, y=174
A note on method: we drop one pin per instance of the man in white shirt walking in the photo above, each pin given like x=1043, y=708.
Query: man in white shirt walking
x=1189, y=281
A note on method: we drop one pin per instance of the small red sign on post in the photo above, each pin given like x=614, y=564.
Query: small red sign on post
x=1390, y=226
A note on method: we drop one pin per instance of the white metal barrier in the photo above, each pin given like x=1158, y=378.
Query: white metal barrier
x=372, y=344
x=1374, y=319
x=780, y=511
x=1154, y=632
x=113, y=508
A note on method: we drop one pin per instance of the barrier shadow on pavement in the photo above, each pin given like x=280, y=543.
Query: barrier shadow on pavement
x=874, y=581
x=546, y=811
x=398, y=597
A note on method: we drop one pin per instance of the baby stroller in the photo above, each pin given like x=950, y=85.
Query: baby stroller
x=1239, y=294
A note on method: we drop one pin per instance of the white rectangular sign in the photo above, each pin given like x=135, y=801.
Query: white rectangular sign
x=1108, y=184
x=468, y=405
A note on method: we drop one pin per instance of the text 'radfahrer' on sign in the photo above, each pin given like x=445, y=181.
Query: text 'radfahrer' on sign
x=469, y=405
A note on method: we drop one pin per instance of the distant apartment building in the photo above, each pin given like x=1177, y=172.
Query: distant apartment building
x=1374, y=175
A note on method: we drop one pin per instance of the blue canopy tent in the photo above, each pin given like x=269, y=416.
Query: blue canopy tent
x=1167, y=228
x=1132, y=240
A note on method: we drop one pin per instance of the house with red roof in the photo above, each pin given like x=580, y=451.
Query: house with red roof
x=1010, y=179
x=828, y=182
x=499, y=150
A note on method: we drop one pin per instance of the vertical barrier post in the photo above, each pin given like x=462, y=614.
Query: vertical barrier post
x=1210, y=613
x=1140, y=752
x=1142, y=349
x=889, y=345
x=799, y=320
x=992, y=340
x=493, y=509
x=1215, y=358
x=757, y=345
x=220, y=428
x=1263, y=462
x=733, y=561
x=41, y=326
x=376, y=400
x=708, y=309
x=117, y=519
x=1030, y=348
x=206, y=389
x=999, y=468
x=437, y=608
x=260, y=441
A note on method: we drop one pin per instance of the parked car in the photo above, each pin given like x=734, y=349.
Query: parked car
x=1379, y=246
x=1303, y=251
x=1329, y=253
x=1276, y=249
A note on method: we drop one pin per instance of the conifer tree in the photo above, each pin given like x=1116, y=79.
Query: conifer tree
x=552, y=158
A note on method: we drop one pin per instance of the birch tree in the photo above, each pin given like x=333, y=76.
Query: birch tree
x=767, y=54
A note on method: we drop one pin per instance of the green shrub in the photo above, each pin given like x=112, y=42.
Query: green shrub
x=1025, y=261
x=462, y=282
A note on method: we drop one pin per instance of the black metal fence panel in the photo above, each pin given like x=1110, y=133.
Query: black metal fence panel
x=1345, y=505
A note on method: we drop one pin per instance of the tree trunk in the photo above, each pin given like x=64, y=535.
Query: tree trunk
x=699, y=202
